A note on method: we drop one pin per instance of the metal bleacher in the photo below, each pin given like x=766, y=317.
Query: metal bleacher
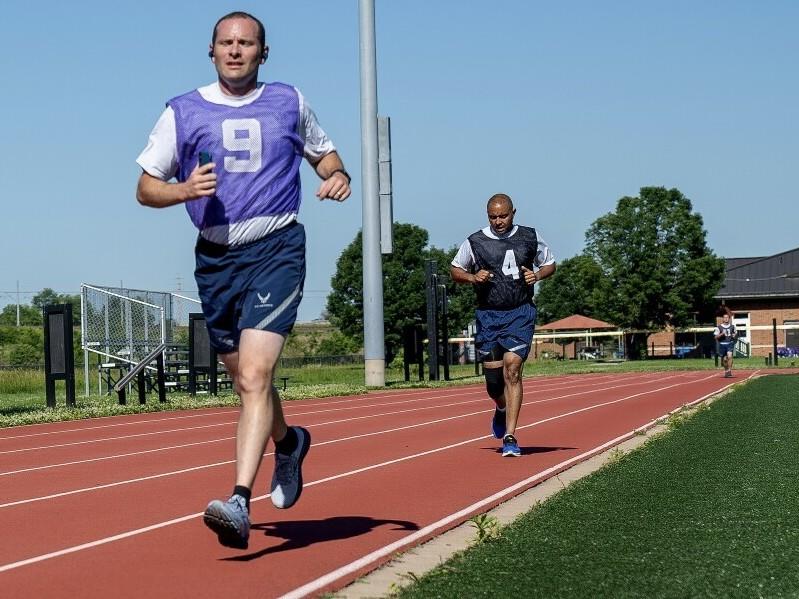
x=176, y=373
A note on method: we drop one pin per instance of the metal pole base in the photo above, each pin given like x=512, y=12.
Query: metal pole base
x=375, y=373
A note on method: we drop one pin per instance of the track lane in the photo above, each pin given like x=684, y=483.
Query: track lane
x=375, y=488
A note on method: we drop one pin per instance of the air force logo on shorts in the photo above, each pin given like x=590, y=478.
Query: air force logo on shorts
x=263, y=299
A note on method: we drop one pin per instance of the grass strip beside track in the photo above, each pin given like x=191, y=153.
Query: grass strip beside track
x=709, y=510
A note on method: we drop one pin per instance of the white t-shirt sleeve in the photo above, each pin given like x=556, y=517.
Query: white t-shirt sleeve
x=544, y=255
x=464, y=259
x=317, y=143
x=159, y=158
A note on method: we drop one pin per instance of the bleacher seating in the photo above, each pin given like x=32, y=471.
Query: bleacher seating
x=176, y=372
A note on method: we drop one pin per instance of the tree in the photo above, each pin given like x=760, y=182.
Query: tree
x=48, y=297
x=337, y=344
x=404, y=300
x=577, y=287
x=653, y=254
x=28, y=315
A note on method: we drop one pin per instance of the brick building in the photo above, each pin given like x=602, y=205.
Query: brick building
x=760, y=291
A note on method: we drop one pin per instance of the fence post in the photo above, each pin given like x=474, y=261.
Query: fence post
x=774, y=340
x=161, y=382
x=431, y=284
x=444, y=329
x=420, y=351
x=140, y=382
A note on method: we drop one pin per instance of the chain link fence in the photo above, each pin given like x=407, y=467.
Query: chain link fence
x=123, y=324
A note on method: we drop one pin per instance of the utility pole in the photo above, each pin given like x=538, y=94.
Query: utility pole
x=17, y=303
x=373, y=333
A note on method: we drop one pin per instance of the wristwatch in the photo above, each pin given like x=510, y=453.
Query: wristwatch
x=343, y=172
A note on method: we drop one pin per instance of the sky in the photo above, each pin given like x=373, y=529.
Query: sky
x=565, y=106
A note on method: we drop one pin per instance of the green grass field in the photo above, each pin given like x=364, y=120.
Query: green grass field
x=710, y=509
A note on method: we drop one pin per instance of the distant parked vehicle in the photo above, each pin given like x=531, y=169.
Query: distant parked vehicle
x=788, y=352
x=683, y=351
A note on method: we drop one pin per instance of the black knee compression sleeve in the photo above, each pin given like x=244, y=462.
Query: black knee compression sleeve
x=495, y=382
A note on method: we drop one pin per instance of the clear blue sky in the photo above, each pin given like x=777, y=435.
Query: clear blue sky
x=565, y=106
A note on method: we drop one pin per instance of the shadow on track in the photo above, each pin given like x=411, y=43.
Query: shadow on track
x=302, y=533
x=530, y=450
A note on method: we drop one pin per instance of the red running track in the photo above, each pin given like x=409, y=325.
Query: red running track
x=112, y=506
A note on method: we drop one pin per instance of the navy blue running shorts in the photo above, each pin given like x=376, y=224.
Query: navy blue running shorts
x=257, y=285
x=512, y=329
x=726, y=347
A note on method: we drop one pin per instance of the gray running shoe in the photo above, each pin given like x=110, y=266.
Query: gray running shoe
x=230, y=521
x=287, y=479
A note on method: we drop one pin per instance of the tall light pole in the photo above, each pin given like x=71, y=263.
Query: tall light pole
x=373, y=334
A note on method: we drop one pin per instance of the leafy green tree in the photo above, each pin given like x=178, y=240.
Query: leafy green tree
x=577, y=287
x=48, y=297
x=28, y=315
x=404, y=301
x=337, y=344
x=304, y=343
x=653, y=253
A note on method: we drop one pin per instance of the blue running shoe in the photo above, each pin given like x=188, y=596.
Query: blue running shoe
x=230, y=521
x=498, y=424
x=510, y=447
x=287, y=479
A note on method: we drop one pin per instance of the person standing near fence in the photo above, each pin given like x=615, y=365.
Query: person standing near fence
x=725, y=333
x=235, y=148
x=504, y=261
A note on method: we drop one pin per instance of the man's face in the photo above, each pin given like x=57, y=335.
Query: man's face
x=500, y=217
x=725, y=319
x=237, y=53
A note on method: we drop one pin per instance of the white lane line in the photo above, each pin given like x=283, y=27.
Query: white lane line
x=116, y=424
x=343, y=420
x=430, y=529
x=287, y=406
x=215, y=464
x=123, y=437
x=114, y=457
x=410, y=539
x=76, y=548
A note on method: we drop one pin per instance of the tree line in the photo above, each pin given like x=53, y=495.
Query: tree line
x=645, y=266
x=31, y=315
